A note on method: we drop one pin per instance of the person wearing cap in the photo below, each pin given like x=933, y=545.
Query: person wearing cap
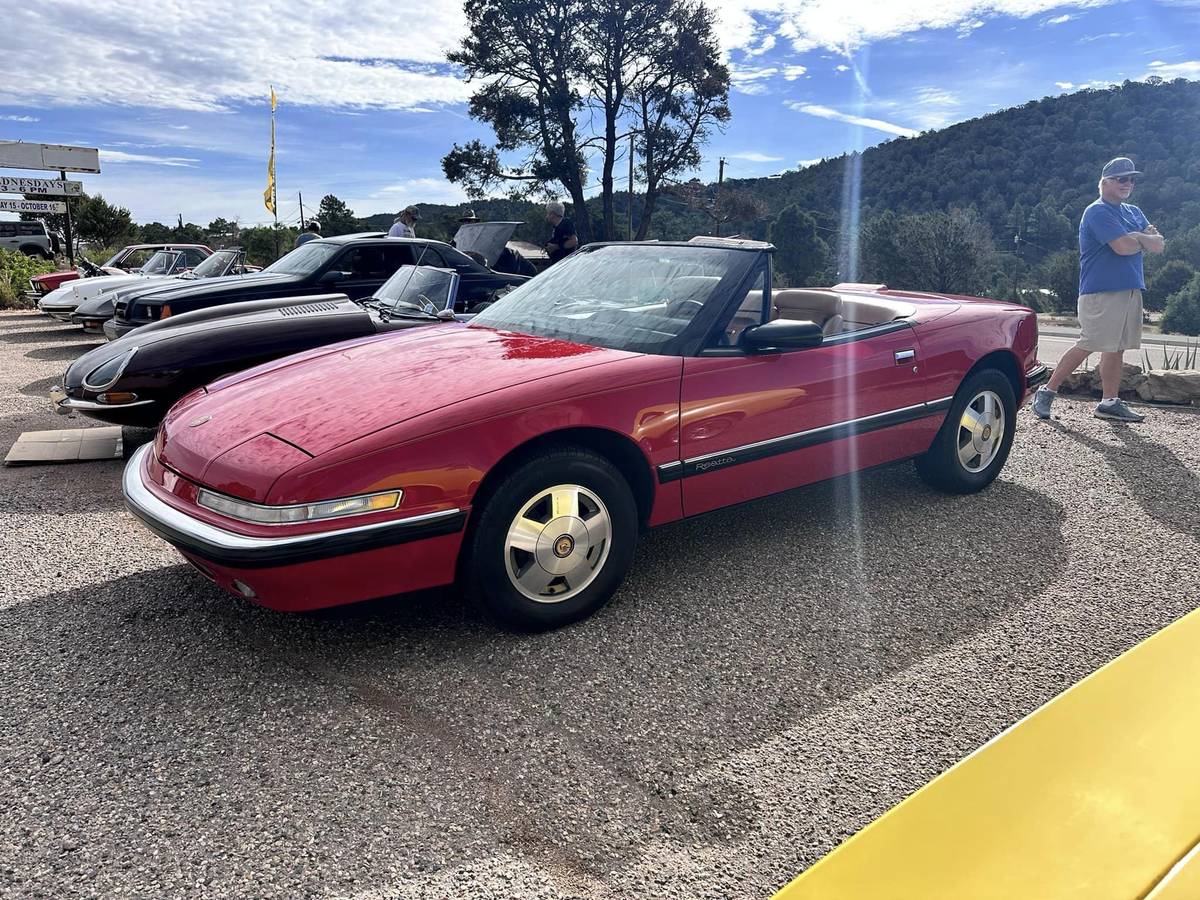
x=403, y=226
x=1113, y=235
x=563, y=241
x=469, y=218
x=311, y=232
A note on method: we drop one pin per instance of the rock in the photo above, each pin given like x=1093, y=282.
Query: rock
x=1171, y=386
x=1088, y=382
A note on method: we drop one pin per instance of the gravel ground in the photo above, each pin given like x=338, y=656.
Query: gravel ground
x=769, y=679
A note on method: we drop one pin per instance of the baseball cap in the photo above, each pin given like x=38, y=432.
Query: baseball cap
x=413, y=211
x=1122, y=165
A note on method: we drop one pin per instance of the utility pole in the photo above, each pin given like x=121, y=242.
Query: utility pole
x=302, y=222
x=717, y=203
x=70, y=239
x=631, y=185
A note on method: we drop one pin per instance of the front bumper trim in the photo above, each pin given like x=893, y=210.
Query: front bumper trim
x=65, y=405
x=240, y=551
x=1038, y=375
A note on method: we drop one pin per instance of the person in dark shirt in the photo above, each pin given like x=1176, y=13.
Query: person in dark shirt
x=563, y=241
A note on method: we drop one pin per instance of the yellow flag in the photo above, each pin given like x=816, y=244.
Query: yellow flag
x=269, y=193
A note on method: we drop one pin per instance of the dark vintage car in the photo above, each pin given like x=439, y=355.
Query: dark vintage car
x=134, y=380
x=355, y=265
x=523, y=453
x=93, y=312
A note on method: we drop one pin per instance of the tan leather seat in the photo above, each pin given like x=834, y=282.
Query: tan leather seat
x=822, y=307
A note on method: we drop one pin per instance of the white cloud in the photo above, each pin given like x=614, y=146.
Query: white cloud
x=845, y=25
x=768, y=43
x=1063, y=85
x=826, y=112
x=933, y=107
x=19, y=119
x=386, y=53
x=753, y=156
x=120, y=156
x=1111, y=35
x=791, y=73
x=841, y=68
x=1169, y=71
x=751, y=80
x=1058, y=20
x=399, y=194
x=805, y=163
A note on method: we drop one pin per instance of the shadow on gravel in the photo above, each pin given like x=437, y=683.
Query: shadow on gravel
x=42, y=335
x=41, y=387
x=322, y=753
x=65, y=352
x=1163, y=486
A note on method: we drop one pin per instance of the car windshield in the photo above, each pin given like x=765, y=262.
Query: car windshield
x=161, y=263
x=624, y=297
x=423, y=288
x=304, y=260
x=216, y=264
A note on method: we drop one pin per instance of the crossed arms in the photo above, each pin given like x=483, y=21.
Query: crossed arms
x=1137, y=241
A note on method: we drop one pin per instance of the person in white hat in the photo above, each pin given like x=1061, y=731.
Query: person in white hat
x=1113, y=235
x=402, y=227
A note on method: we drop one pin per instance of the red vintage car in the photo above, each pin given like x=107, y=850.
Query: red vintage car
x=522, y=453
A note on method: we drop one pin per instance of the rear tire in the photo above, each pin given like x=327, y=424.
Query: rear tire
x=975, y=439
x=552, y=541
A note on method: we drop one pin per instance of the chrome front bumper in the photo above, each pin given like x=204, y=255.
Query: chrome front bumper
x=228, y=548
x=65, y=405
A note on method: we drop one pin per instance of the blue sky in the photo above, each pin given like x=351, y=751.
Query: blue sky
x=176, y=100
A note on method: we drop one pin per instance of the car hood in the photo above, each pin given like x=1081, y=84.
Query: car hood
x=230, y=285
x=86, y=288
x=102, y=298
x=485, y=238
x=322, y=399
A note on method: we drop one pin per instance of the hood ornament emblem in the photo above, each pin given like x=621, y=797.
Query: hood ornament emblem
x=196, y=423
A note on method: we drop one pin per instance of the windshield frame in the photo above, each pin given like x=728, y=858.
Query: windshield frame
x=741, y=265
x=217, y=254
x=173, y=257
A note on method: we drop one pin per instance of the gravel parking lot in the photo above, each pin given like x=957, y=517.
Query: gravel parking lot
x=769, y=679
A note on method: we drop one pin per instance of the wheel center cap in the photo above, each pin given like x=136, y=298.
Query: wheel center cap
x=564, y=546
x=987, y=432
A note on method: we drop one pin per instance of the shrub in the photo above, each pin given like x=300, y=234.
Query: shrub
x=1169, y=279
x=15, y=271
x=1183, y=309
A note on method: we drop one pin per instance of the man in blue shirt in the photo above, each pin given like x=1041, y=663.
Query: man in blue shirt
x=311, y=232
x=1113, y=235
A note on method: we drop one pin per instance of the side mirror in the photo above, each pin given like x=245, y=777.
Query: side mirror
x=782, y=334
x=331, y=277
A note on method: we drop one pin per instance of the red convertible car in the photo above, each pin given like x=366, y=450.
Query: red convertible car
x=522, y=453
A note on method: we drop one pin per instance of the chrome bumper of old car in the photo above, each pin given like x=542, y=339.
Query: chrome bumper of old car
x=228, y=548
x=65, y=405
x=1038, y=375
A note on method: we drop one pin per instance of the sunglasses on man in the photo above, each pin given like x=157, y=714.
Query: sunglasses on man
x=1123, y=179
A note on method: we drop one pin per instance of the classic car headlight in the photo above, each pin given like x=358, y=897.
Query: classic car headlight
x=106, y=374
x=258, y=514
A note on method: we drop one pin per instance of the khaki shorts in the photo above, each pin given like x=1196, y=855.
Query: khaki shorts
x=1111, y=321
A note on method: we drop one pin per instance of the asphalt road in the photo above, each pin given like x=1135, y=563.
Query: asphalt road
x=769, y=680
x=1054, y=341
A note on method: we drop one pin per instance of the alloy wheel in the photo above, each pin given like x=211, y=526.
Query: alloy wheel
x=980, y=431
x=557, y=543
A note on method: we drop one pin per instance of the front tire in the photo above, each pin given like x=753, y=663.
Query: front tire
x=975, y=439
x=552, y=542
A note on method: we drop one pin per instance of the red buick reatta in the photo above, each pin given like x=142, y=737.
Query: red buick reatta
x=522, y=453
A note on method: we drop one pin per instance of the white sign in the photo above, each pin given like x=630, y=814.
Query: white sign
x=20, y=155
x=33, y=206
x=49, y=187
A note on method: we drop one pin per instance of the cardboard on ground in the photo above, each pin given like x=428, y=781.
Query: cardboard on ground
x=66, y=445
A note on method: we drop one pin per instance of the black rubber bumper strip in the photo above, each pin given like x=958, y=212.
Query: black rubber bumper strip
x=242, y=552
x=790, y=443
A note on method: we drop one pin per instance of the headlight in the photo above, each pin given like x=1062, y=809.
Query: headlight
x=106, y=374
x=259, y=514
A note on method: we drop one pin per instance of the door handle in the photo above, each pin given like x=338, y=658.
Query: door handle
x=905, y=356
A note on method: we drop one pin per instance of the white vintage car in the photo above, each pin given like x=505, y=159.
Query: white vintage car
x=61, y=302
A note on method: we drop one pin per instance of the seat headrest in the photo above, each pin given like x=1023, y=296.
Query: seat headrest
x=825, y=302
